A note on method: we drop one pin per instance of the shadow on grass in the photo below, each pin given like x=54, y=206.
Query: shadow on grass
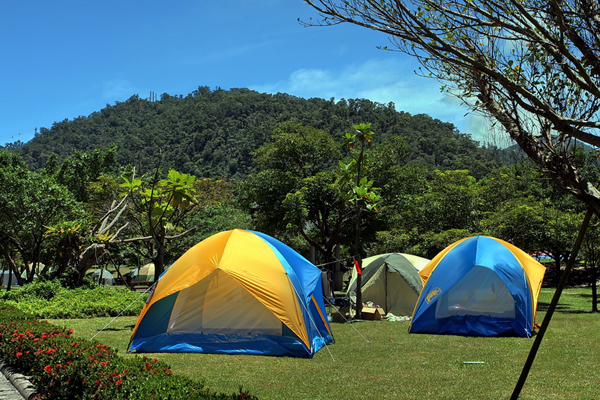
x=124, y=328
x=586, y=295
x=561, y=308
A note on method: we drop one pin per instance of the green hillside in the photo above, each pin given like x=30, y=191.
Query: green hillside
x=211, y=133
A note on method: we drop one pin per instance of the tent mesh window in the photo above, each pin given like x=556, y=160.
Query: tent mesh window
x=479, y=292
x=201, y=307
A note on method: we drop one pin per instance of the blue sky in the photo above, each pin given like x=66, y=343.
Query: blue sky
x=63, y=59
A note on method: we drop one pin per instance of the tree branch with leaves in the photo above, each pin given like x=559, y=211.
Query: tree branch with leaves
x=531, y=66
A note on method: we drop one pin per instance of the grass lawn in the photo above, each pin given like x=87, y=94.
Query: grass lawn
x=396, y=365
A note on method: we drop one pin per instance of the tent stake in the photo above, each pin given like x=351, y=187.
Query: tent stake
x=552, y=307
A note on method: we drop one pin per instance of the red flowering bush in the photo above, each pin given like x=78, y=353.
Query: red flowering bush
x=63, y=367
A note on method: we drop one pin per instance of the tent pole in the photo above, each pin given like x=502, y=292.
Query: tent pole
x=552, y=307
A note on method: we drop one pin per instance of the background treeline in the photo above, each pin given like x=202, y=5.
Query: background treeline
x=143, y=181
x=212, y=133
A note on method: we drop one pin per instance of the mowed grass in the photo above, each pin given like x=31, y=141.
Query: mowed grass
x=393, y=364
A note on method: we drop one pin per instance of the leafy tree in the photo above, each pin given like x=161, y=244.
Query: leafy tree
x=357, y=191
x=79, y=170
x=294, y=194
x=299, y=192
x=532, y=66
x=30, y=202
x=158, y=207
x=536, y=226
x=520, y=221
x=435, y=208
x=213, y=133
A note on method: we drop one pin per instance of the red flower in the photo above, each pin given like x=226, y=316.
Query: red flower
x=118, y=382
x=50, y=351
x=48, y=369
x=148, y=367
x=19, y=354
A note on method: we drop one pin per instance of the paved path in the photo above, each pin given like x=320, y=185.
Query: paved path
x=7, y=390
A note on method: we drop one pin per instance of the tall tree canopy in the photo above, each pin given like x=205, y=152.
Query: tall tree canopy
x=212, y=134
x=531, y=65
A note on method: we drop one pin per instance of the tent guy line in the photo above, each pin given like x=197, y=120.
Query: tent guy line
x=125, y=309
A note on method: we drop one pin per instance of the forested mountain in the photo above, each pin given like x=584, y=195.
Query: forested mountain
x=211, y=133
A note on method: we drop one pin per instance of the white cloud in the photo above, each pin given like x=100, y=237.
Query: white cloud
x=382, y=81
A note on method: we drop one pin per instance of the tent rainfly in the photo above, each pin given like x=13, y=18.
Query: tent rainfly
x=479, y=286
x=236, y=292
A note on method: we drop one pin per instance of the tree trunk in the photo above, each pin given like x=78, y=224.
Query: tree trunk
x=159, y=259
x=87, y=259
x=594, y=289
x=359, y=260
x=359, y=290
x=338, y=275
x=12, y=267
x=556, y=277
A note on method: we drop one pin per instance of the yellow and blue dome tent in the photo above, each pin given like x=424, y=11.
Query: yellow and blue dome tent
x=479, y=286
x=236, y=292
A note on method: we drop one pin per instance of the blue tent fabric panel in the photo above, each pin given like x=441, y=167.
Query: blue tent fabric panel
x=158, y=318
x=310, y=280
x=307, y=277
x=469, y=325
x=254, y=344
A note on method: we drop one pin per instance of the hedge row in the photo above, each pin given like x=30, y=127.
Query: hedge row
x=63, y=367
x=48, y=299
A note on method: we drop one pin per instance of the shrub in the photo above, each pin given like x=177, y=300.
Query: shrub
x=39, y=289
x=63, y=367
x=48, y=299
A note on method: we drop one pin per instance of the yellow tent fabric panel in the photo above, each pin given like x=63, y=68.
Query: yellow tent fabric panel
x=534, y=271
x=265, y=279
x=314, y=301
x=203, y=306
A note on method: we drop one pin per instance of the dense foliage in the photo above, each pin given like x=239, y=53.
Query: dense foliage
x=282, y=158
x=212, y=133
x=49, y=299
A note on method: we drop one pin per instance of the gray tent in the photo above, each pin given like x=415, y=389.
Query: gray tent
x=103, y=277
x=391, y=281
x=5, y=278
x=143, y=274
